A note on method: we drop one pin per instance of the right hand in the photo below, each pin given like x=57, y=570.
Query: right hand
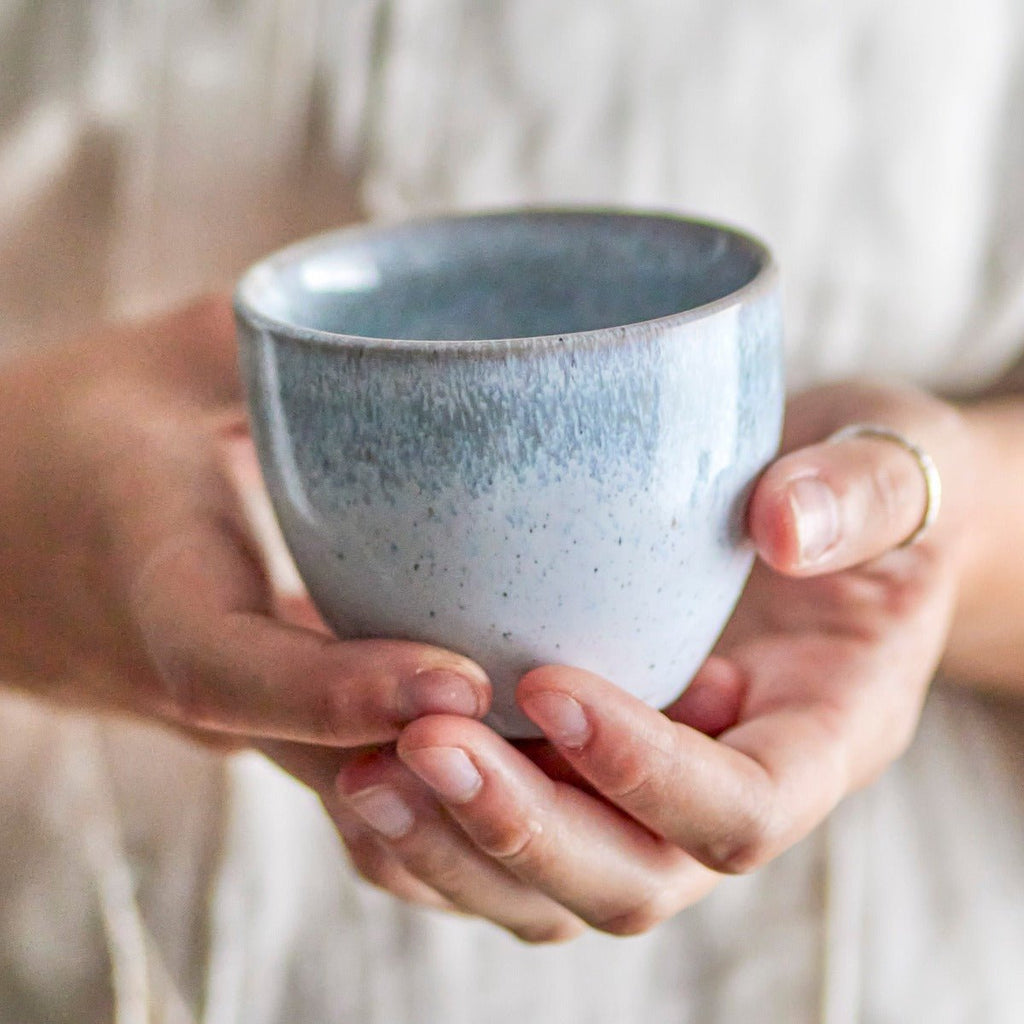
x=129, y=582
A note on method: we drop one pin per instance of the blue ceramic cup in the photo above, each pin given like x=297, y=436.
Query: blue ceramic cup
x=524, y=436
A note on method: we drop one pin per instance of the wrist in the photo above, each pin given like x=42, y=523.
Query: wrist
x=986, y=641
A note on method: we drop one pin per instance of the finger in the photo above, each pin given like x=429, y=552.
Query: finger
x=587, y=856
x=713, y=700
x=317, y=768
x=732, y=803
x=833, y=505
x=225, y=663
x=381, y=867
x=432, y=849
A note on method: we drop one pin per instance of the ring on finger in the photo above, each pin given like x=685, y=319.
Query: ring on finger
x=929, y=471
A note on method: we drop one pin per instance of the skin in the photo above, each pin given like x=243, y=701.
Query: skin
x=131, y=585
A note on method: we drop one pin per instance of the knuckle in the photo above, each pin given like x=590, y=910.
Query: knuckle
x=878, y=594
x=185, y=690
x=860, y=591
x=335, y=711
x=637, y=920
x=447, y=873
x=736, y=854
x=629, y=776
x=517, y=843
x=545, y=933
x=355, y=702
x=346, y=710
x=377, y=866
x=905, y=592
x=749, y=842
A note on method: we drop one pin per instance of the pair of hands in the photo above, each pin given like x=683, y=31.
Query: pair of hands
x=132, y=584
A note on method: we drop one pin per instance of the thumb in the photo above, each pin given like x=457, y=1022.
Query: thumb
x=843, y=501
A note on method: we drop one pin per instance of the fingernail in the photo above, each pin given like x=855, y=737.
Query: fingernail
x=383, y=810
x=448, y=770
x=816, y=515
x=439, y=692
x=561, y=718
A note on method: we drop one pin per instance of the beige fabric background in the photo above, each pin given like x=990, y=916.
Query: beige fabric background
x=151, y=148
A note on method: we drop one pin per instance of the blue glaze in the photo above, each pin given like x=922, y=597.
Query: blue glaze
x=575, y=497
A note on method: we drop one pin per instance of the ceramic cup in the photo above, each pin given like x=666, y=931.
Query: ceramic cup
x=525, y=436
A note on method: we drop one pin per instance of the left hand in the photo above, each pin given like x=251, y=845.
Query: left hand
x=630, y=814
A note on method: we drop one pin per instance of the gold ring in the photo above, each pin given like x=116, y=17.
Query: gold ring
x=932, y=480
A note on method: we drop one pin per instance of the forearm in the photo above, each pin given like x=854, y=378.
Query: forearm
x=986, y=644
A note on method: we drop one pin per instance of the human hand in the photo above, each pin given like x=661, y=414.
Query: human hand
x=631, y=814
x=129, y=580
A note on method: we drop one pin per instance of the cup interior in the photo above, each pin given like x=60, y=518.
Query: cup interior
x=516, y=275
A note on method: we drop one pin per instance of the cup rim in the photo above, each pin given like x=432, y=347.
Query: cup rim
x=246, y=308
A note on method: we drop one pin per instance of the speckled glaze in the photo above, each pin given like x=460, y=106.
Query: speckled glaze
x=525, y=436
